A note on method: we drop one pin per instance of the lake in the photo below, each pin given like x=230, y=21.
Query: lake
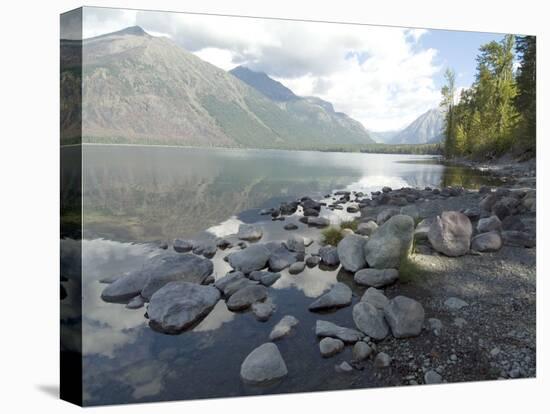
x=134, y=197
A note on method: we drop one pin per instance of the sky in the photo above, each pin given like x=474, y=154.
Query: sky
x=384, y=77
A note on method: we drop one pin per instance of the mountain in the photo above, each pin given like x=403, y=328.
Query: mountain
x=383, y=136
x=427, y=128
x=310, y=109
x=138, y=88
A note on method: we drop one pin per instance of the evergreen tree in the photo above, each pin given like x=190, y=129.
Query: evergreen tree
x=525, y=102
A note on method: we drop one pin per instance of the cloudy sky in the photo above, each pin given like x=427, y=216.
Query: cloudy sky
x=384, y=77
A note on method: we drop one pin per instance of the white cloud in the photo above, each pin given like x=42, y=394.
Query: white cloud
x=378, y=75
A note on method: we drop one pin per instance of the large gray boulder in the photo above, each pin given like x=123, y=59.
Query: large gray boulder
x=385, y=215
x=367, y=229
x=263, y=364
x=351, y=252
x=179, y=305
x=246, y=296
x=450, y=233
x=487, y=242
x=329, y=255
x=125, y=288
x=348, y=335
x=338, y=296
x=370, y=320
x=249, y=232
x=375, y=297
x=405, y=316
x=252, y=258
x=376, y=277
x=391, y=243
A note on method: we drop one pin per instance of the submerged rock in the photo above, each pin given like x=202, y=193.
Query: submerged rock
x=450, y=233
x=251, y=258
x=376, y=277
x=283, y=327
x=179, y=305
x=338, y=296
x=405, y=317
x=264, y=364
x=330, y=346
x=351, y=252
x=348, y=335
x=391, y=243
x=370, y=320
x=263, y=310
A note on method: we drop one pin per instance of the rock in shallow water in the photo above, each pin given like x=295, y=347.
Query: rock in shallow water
x=283, y=327
x=296, y=268
x=252, y=258
x=330, y=346
x=348, y=335
x=329, y=255
x=391, y=243
x=338, y=296
x=249, y=232
x=450, y=233
x=405, y=317
x=183, y=246
x=281, y=258
x=351, y=252
x=370, y=320
x=264, y=277
x=178, y=305
x=263, y=364
x=263, y=310
x=376, y=277
x=246, y=296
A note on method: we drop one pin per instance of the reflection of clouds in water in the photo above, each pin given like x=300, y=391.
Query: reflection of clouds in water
x=313, y=282
x=216, y=318
x=107, y=326
x=145, y=377
x=376, y=182
x=229, y=226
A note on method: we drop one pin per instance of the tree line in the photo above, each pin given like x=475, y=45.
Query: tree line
x=497, y=114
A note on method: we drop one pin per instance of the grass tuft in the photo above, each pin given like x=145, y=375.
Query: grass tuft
x=332, y=235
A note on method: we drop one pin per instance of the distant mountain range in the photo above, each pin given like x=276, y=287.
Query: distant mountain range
x=426, y=129
x=137, y=88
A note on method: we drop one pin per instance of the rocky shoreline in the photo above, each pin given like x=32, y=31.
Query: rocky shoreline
x=447, y=277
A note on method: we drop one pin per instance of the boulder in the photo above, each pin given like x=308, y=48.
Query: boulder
x=330, y=346
x=376, y=277
x=432, y=377
x=313, y=261
x=338, y=296
x=177, y=267
x=370, y=320
x=263, y=364
x=351, y=252
x=296, y=244
x=318, y=221
x=264, y=277
x=179, y=305
x=125, y=287
x=450, y=233
x=405, y=317
x=382, y=360
x=251, y=258
x=375, y=297
x=487, y=242
x=348, y=335
x=361, y=351
x=488, y=201
x=367, y=229
x=422, y=229
x=249, y=232
x=136, y=303
x=329, y=255
x=283, y=327
x=206, y=248
x=296, y=268
x=290, y=226
x=263, y=310
x=246, y=296
x=281, y=258
x=391, y=243
x=411, y=211
x=236, y=285
x=491, y=223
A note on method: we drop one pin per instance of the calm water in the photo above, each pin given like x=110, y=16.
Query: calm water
x=136, y=195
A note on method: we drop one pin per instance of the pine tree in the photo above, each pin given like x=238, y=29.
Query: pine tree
x=525, y=102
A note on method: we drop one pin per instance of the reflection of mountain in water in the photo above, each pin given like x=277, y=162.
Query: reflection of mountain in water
x=148, y=193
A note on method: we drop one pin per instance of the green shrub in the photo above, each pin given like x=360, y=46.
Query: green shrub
x=332, y=235
x=350, y=224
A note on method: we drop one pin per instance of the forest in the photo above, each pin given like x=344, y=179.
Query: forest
x=497, y=114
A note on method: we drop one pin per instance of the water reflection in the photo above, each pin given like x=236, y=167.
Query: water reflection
x=151, y=193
